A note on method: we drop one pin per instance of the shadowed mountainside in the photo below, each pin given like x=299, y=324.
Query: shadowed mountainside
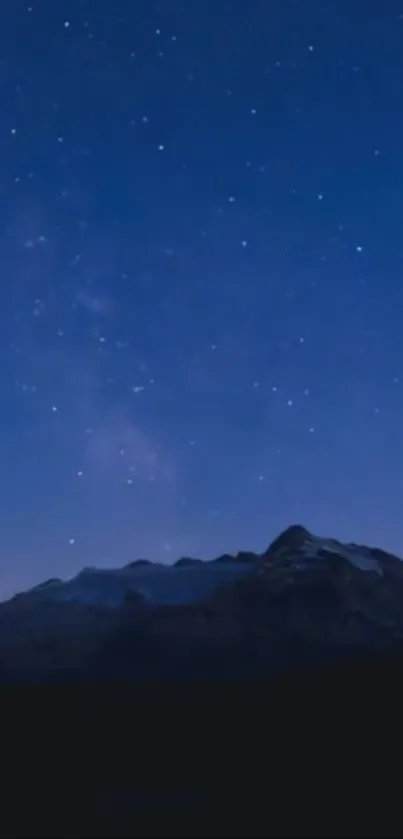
x=306, y=600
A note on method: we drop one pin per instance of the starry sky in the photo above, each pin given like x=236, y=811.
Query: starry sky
x=201, y=258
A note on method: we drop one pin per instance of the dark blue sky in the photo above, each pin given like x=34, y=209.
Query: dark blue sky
x=201, y=258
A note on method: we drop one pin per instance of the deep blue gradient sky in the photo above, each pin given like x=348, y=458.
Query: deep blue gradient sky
x=201, y=261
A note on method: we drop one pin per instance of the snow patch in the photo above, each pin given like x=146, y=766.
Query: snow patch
x=359, y=557
x=158, y=584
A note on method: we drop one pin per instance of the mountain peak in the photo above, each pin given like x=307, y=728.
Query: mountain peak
x=308, y=598
x=291, y=538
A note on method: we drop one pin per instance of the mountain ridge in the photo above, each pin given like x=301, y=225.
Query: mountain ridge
x=295, y=538
x=305, y=599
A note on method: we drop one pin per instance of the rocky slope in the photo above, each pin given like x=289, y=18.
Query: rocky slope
x=303, y=601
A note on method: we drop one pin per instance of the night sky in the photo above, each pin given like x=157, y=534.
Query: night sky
x=201, y=256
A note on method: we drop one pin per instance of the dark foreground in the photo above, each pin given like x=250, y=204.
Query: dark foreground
x=316, y=752
x=257, y=695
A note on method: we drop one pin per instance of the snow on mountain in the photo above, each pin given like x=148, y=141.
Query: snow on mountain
x=358, y=556
x=157, y=584
x=305, y=600
x=190, y=580
x=298, y=543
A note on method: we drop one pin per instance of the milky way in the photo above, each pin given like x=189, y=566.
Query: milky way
x=201, y=264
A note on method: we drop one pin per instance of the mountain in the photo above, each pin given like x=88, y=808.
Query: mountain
x=306, y=600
